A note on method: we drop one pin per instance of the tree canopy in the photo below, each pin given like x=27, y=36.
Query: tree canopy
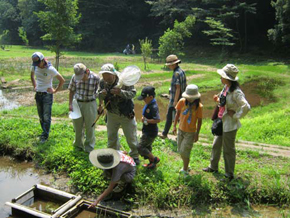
x=111, y=25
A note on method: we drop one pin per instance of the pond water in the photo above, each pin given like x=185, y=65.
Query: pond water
x=15, y=178
x=6, y=104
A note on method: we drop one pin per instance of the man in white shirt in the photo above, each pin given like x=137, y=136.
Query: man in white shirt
x=44, y=72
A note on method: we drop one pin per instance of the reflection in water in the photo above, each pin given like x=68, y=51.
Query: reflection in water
x=6, y=104
x=15, y=178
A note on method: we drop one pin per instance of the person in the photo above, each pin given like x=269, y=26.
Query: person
x=150, y=118
x=189, y=115
x=178, y=85
x=120, y=110
x=133, y=49
x=117, y=166
x=232, y=107
x=83, y=87
x=44, y=73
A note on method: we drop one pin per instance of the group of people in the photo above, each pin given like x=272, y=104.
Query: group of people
x=184, y=111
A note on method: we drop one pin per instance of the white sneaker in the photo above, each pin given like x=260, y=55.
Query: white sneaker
x=182, y=171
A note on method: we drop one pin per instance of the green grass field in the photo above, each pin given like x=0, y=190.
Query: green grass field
x=261, y=178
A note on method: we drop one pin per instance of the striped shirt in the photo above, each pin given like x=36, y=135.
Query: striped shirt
x=178, y=78
x=85, y=90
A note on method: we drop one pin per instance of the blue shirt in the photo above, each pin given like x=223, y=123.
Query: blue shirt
x=151, y=111
x=178, y=78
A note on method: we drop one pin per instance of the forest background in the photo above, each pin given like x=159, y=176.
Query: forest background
x=255, y=26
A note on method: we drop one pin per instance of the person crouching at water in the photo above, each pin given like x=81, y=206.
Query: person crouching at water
x=232, y=107
x=118, y=166
x=189, y=115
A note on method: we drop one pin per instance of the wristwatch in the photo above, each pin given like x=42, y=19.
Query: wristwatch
x=145, y=121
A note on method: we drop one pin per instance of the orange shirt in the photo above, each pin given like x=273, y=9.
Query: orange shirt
x=183, y=125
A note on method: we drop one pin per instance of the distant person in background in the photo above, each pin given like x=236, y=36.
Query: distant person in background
x=120, y=110
x=83, y=87
x=117, y=166
x=44, y=73
x=189, y=116
x=177, y=87
x=133, y=49
x=232, y=107
x=150, y=118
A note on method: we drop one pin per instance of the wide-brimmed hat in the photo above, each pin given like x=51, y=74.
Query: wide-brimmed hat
x=191, y=92
x=172, y=59
x=37, y=57
x=105, y=158
x=109, y=68
x=229, y=72
x=79, y=70
x=147, y=91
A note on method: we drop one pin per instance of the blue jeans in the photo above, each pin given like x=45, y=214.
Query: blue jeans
x=44, y=105
x=169, y=118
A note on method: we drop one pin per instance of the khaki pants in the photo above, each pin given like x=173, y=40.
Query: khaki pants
x=227, y=142
x=89, y=114
x=129, y=126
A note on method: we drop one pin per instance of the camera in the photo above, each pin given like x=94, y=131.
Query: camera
x=223, y=100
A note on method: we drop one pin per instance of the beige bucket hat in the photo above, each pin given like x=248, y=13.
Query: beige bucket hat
x=229, y=72
x=79, y=70
x=105, y=158
x=191, y=92
x=172, y=59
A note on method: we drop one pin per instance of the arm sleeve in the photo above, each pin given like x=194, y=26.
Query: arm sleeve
x=243, y=104
x=128, y=92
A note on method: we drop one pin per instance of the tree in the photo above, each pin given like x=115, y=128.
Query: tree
x=9, y=20
x=58, y=21
x=146, y=50
x=220, y=35
x=3, y=39
x=172, y=40
x=280, y=34
x=23, y=36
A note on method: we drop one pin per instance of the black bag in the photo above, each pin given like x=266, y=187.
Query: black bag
x=217, y=127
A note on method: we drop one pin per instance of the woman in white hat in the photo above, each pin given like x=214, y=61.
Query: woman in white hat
x=232, y=106
x=189, y=115
x=118, y=166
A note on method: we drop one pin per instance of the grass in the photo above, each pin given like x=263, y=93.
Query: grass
x=261, y=178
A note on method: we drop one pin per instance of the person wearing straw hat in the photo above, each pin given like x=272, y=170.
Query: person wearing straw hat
x=44, y=73
x=120, y=109
x=232, y=107
x=83, y=87
x=189, y=116
x=177, y=87
x=118, y=166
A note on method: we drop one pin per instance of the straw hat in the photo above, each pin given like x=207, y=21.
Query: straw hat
x=229, y=72
x=106, y=158
x=191, y=92
x=172, y=59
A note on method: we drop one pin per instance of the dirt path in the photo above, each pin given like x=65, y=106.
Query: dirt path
x=262, y=148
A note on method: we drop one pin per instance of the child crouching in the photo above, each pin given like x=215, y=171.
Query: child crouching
x=189, y=115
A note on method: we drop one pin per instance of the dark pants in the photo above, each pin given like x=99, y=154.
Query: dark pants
x=169, y=118
x=145, y=145
x=44, y=106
